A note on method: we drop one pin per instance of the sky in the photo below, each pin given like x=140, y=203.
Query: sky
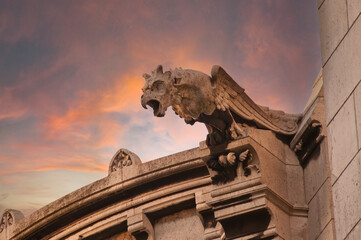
x=71, y=79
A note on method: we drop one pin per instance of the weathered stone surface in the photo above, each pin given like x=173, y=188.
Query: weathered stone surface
x=278, y=238
x=353, y=10
x=328, y=232
x=316, y=171
x=274, y=178
x=178, y=226
x=357, y=99
x=319, y=211
x=298, y=228
x=319, y=2
x=275, y=146
x=290, y=157
x=295, y=187
x=342, y=138
x=317, y=91
x=342, y=72
x=333, y=16
x=281, y=220
x=346, y=198
x=355, y=234
x=122, y=236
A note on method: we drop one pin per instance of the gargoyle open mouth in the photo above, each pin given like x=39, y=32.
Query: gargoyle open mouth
x=157, y=107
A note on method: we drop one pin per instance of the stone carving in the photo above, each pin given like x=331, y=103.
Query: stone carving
x=2, y=224
x=123, y=158
x=246, y=158
x=9, y=218
x=307, y=140
x=217, y=101
x=226, y=166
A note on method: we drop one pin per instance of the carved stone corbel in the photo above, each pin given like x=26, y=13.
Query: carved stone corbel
x=307, y=139
x=232, y=164
x=140, y=226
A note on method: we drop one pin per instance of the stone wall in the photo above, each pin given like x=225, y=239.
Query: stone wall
x=340, y=30
x=178, y=197
x=317, y=174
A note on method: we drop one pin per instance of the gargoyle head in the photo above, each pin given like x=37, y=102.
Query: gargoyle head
x=157, y=91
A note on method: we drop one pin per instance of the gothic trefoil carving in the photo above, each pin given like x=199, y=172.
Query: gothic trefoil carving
x=3, y=223
x=226, y=166
x=217, y=101
x=6, y=220
x=123, y=158
x=9, y=218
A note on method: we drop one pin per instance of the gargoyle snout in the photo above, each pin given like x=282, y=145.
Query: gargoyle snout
x=144, y=103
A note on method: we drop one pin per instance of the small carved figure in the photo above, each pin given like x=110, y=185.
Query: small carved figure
x=226, y=166
x=217, y=101
x=245, y=158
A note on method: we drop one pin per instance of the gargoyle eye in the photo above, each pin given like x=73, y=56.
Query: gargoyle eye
x=159, y=86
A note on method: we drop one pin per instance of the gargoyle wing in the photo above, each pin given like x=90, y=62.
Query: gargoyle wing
x=229, y=95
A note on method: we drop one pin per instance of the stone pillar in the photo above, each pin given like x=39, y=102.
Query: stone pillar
x=140, y=226
x=213, y=230
x=340, y=30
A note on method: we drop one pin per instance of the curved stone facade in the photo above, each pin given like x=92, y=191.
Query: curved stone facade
x=177, y=197
x=261, y=184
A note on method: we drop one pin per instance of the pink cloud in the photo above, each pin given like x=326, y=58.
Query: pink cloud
x=66, y=118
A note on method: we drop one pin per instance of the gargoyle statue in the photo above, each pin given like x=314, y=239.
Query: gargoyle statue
x=217, y=101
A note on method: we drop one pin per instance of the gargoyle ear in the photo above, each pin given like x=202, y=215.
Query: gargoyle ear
x=159, y=69
x=168, y=74
x=146, y=76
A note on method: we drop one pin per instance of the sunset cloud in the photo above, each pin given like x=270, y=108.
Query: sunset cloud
x=71, y=79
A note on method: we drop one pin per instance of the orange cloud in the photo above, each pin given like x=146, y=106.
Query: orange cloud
x=10, y=106
x=44, y=163
x=122, y=97
x=67, y=121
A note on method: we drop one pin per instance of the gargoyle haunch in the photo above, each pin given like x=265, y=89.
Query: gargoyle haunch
x=217, y=101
